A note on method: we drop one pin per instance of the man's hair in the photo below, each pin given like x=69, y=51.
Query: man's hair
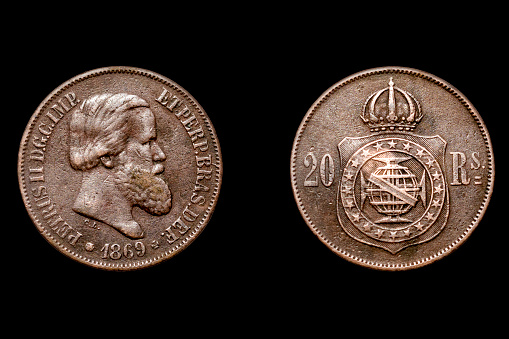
x=99, y=127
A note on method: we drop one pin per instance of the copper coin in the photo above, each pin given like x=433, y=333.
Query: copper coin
x=120, y=168
x=392, y=168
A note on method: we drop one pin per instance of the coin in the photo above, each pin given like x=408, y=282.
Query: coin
x=392, y=168
x=120, y=168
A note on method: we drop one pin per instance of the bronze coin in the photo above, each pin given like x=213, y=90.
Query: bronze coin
x=120, y=168
x=392, y=168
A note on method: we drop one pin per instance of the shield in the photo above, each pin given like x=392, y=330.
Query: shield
x=392, y=192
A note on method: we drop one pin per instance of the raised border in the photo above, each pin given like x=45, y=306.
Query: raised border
x=149, y=261
x=465, y=102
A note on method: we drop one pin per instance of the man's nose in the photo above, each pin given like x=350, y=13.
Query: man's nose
x=157, y=153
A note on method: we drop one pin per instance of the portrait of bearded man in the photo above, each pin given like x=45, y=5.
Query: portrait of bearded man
x=113, y=142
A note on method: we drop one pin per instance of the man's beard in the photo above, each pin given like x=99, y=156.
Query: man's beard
x=144, y=189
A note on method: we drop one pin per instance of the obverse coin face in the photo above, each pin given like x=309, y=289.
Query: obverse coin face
x=392, y=168
x=120, y=168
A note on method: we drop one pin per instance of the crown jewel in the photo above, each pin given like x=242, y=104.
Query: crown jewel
x=391, y=108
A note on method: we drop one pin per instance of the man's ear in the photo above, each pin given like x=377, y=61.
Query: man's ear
x=107, y=162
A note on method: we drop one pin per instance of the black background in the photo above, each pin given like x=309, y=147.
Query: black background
x=256, y=71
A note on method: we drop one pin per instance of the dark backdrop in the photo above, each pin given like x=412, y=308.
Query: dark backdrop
x=256, y=73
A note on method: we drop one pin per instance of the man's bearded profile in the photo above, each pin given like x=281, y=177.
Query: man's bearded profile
x=113, y=141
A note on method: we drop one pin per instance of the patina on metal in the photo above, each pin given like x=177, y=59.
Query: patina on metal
x=392, y=168
x=120, y=168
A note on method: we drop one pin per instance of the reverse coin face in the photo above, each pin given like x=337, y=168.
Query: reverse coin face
x=392, y=168
x=120, y=168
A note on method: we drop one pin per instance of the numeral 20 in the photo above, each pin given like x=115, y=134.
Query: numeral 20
x=326, y=170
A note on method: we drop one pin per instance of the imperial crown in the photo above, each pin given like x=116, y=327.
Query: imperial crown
x=391, y=109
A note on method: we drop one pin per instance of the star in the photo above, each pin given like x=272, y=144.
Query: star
x=154, y=244
x=406, y=146
x=407, y=232
x=379, y=233
x=347, y=189
x=366, y=227
x=355, y=163
x=356, y=217
x=429, y=216
x=438, y=188
x=348, y=175
x=436, y=176
x=420, y=153
x=419, y=226
x=391, y=144
x=378, y=146
x=436, y=203
x=365, y=152
x=349, y=203
x=393, y=235
x=430, y=162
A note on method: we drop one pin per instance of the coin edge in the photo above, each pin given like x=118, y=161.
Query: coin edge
x=490, y=175
x=92, y=262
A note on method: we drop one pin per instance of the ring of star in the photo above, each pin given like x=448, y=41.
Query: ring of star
x=432, y=208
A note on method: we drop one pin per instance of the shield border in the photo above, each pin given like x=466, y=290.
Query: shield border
x=435, y=145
